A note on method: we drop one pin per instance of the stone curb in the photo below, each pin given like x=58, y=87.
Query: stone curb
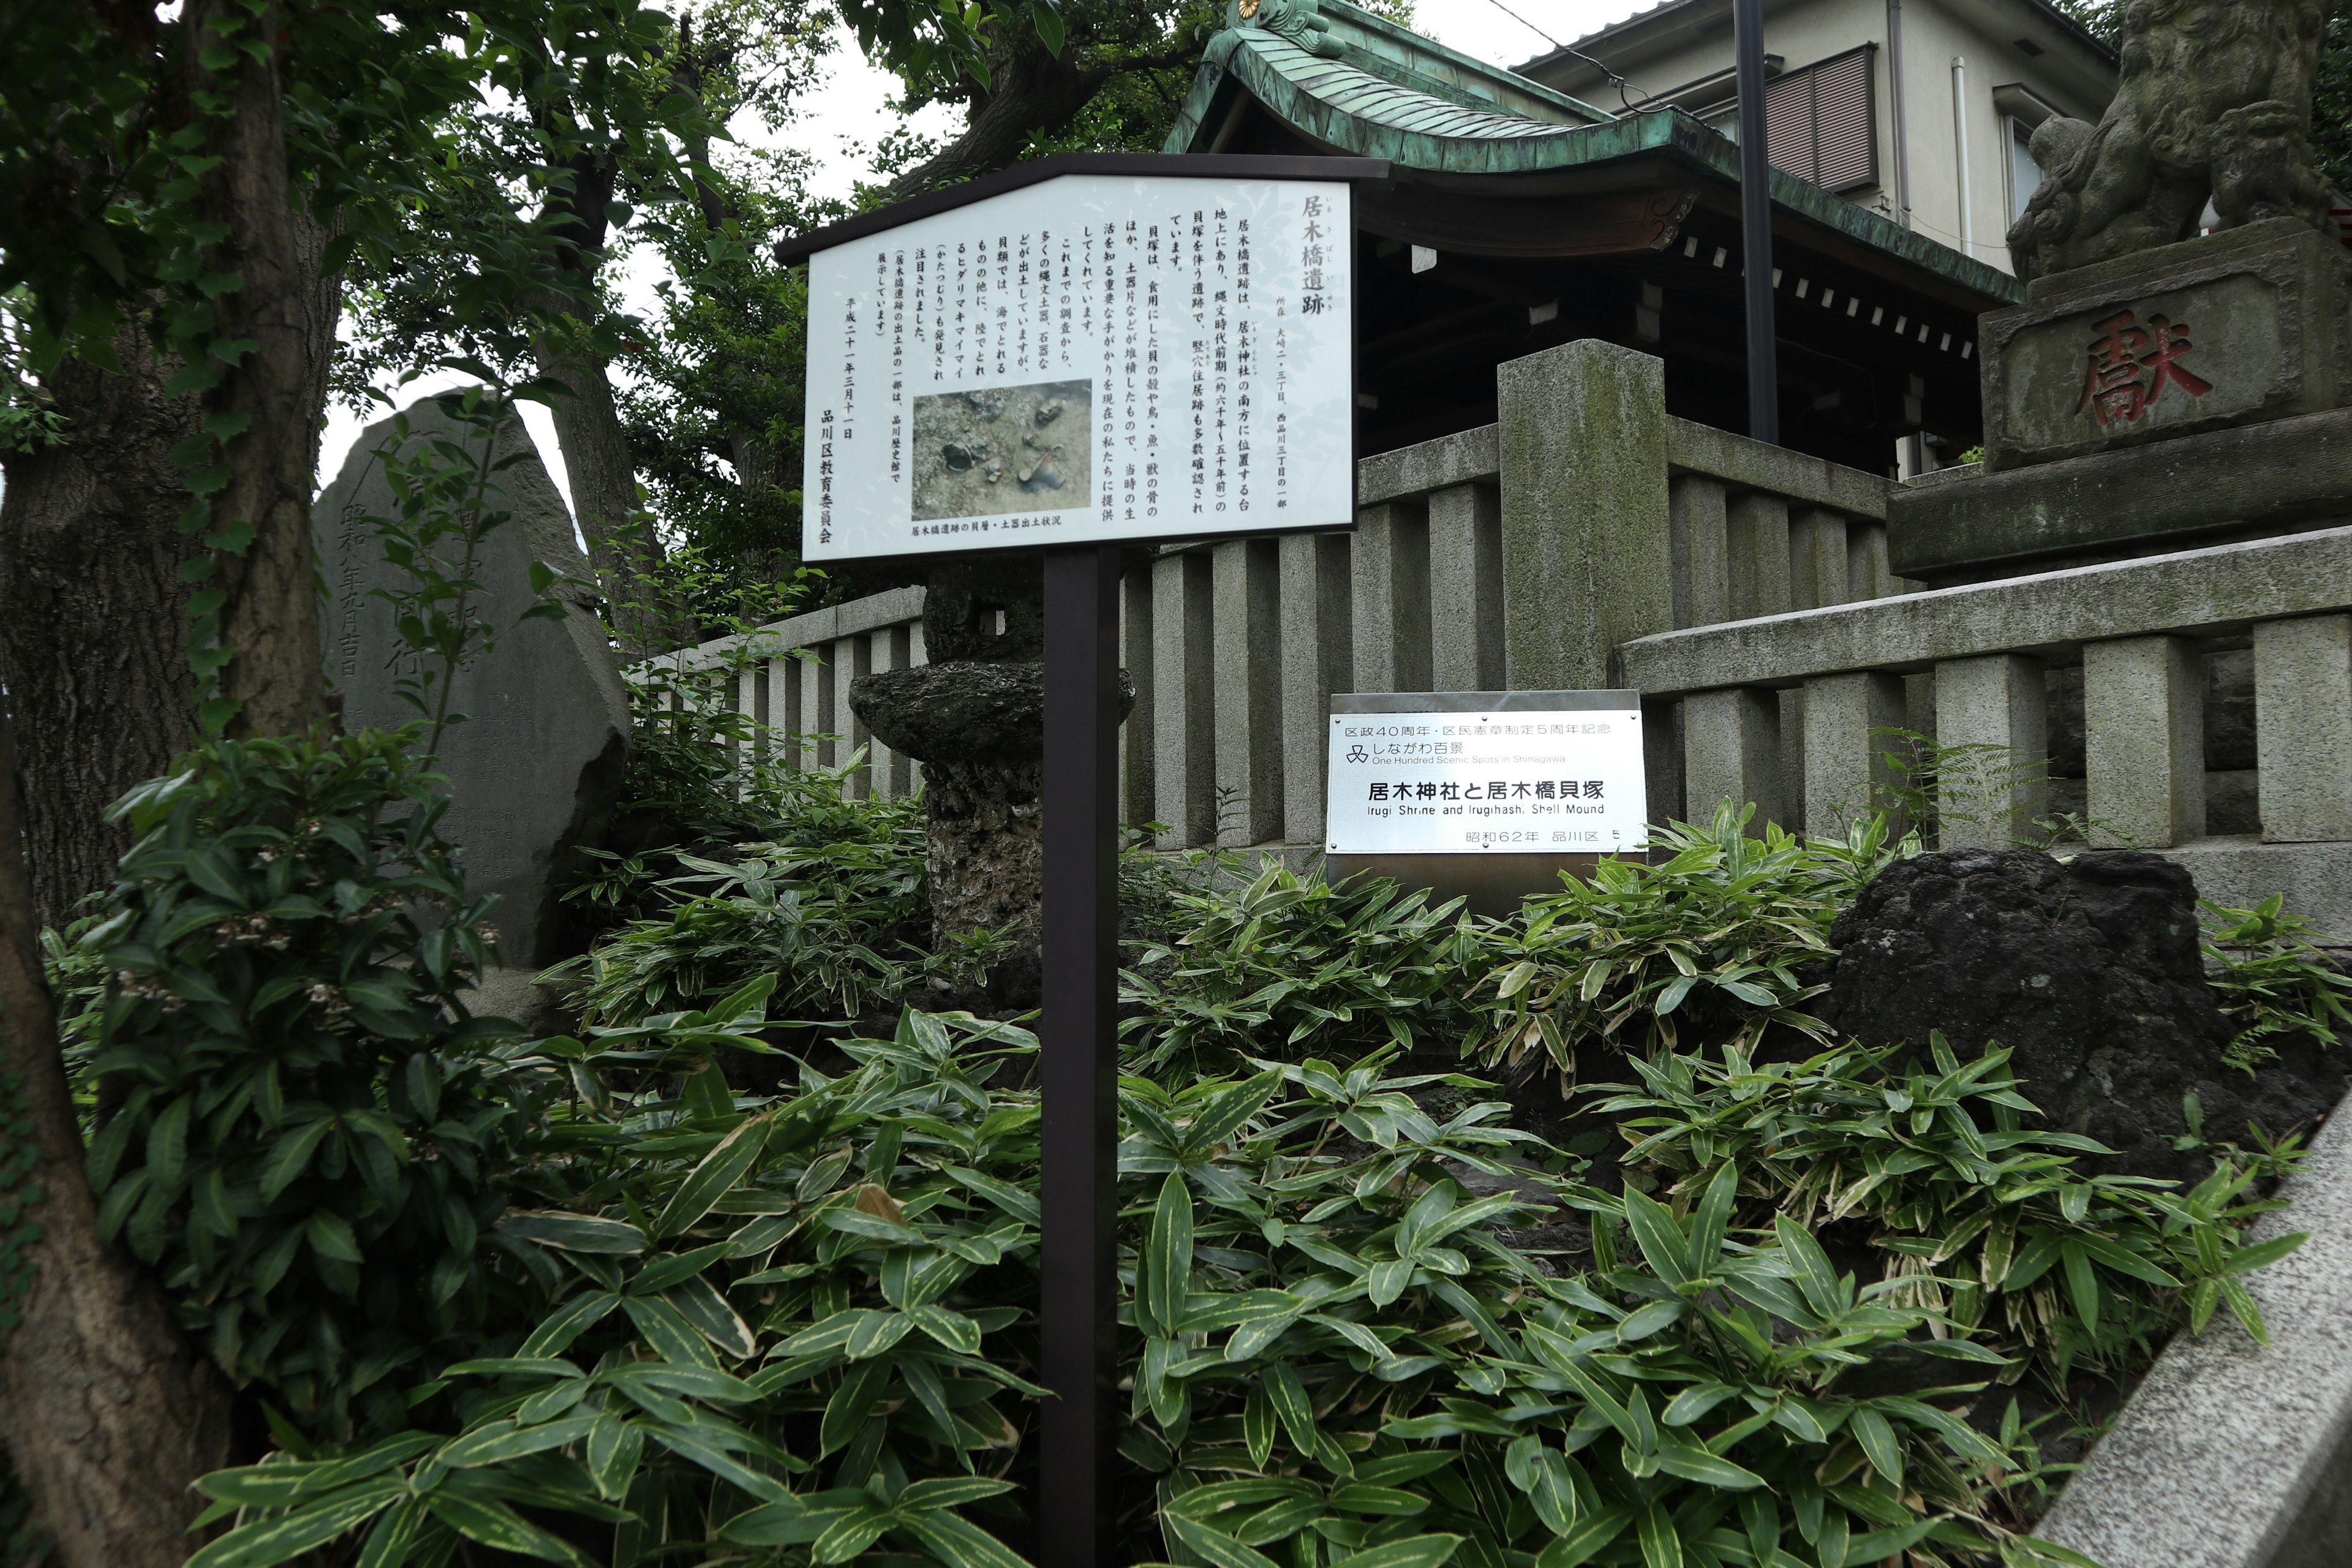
x=2230, y=1456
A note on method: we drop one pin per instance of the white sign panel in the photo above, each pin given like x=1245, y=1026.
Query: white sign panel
x=1538, y=783
x=1090, y=359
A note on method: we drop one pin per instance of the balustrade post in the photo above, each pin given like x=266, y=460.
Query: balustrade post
x=2143, y=741
x=1759, y=556
x=1317, y=658
x=1587, y=562
x=1732, y=751
x=1818, y=566
x=890, y=649
x=2303, y=728
x=1465, y=589
x=1990, y=795
x=1137, y=756
x=1248, y=666
x=1699, y=524
x=1845, y=764
x=784, y=707
x=816, y=707
x=1183, y=737
x=1391, y=597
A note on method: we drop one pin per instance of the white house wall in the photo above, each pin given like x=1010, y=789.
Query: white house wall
x=1676, y=49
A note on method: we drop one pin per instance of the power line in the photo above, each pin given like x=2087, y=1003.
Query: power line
x=1620, y=83
x=1523, y=22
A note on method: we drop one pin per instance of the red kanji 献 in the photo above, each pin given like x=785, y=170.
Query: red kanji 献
x=2132, y=364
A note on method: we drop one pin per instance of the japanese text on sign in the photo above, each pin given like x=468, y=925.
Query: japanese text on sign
x=1422, y=784
x=1090, y=359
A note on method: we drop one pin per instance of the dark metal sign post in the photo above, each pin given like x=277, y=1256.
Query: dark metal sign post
x=1756, y=221
x=1078, y=1075
x=1075, y=1499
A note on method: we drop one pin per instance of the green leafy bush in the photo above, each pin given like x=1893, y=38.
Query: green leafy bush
x=831, y=901
x=1968, y=1214
x=299, y=1124
x=2270, y=979
x=1294, y=965
x=796, y=1331
x=1714, y=944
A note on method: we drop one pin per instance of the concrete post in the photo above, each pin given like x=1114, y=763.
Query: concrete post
x=751, y=702
x=1137, y=801
x=1702, y=550
x=1184, y=740
x=1732, y=751
x=784, y=709
x=891, y=650
x=1759, y=556
x=1991, y=792
x=852, y=657
x=916, y=653
x=1662, y=761
x=2144, y=741
x=2303, y=728
x=1246, y=606
x=1466, y=589
x=1818, y=568
x=1318, y=656
x=1587, y=560
x=1845, y=766
x=1866, y=572
x=816, y=707
x=1391, y=598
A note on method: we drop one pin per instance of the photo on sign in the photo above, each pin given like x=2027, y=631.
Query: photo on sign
x=999, y=449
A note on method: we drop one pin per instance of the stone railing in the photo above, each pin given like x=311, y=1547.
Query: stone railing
x=1588, y=538
x=1780, y=708
x=1517, y=554
x=1513, y=555
x=793, y=675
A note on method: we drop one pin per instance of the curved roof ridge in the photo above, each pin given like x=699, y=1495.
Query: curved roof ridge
x=1370, y=96
x=1356, y=111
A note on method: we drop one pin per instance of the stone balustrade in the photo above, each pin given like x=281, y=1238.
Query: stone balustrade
x=1515, y=555
x=793, y=675
x=1588, y=538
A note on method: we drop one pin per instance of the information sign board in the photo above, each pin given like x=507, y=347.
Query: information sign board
x=1559, y=772
x=1093, y=358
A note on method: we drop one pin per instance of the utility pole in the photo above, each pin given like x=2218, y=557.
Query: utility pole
x=1756, y=222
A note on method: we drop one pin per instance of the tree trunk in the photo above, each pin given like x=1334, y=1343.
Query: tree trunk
x=1033, y=90
x=106, y=1416
x=270, y=624
x=93, y=621
x=622, y=544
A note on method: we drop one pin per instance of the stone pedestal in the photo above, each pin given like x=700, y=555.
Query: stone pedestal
x=535, y=771
x=2227, y=329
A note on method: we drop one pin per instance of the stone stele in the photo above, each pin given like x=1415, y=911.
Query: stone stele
x=2229, y=329
x=535, y=770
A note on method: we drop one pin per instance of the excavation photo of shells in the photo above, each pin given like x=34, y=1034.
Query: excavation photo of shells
x=1000, y=449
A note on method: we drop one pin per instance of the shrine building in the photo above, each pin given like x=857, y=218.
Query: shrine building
x=1520, y=215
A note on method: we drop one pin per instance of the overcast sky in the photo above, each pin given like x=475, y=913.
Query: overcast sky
x=841, y=119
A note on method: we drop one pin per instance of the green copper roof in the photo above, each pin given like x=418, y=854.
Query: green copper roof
x=1366, y=87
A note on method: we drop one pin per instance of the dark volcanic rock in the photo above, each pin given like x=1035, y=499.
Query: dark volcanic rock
x=2088, y=970
x=968, y=711
x=978, y=727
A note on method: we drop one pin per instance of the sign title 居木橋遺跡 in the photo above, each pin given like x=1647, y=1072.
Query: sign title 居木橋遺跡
x=1469, y=783
x=1090, y=359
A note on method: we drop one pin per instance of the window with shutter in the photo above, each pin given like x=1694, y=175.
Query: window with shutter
x=1820, y=123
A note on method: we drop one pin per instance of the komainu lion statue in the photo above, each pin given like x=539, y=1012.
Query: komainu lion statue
x=2215, y=103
